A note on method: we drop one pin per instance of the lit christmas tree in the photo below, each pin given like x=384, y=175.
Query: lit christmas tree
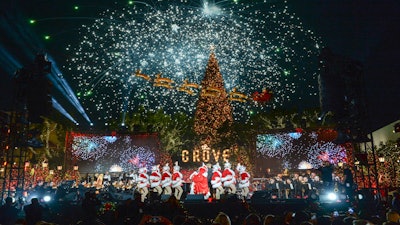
x=213, y=108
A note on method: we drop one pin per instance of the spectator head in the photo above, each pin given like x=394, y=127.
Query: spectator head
x=349, y=220
x=9, y=201
x=360, y=222
x=269, y=219
x=222, y=218
x=252, y=219
x=35, y=201
x=301, y=216
x=324, y=220
x=392, y=216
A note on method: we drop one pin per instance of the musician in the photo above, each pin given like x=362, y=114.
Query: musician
x=177, y=181
x=107, y=178
x=155, y=179
x=296, y=181
x=166, y=180
x=133, y=177
x=228, y=178
x=289, y=188
x=216, y=182
x=306, y=187
x=143, y=183
x=271, y=187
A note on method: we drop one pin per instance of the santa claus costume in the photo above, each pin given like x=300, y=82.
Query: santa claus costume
x=216, y=181
x=201, y=182
x=155, y=179
x=166, y=180
x=143, y=183
x=228, y=178
x=244, y=180
x=177, y=181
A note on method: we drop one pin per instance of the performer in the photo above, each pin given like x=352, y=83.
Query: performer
x=216, y=181
x=166, y=180
x=177, y=181
x=326, y=175
x=201, y=183
x=228, y=178
x=348, y=182
x=99, y=181
x=143, y=183
x=107, y=178
x=289, y=188
x=195, y=173
x=155, y=179
x=244, y=180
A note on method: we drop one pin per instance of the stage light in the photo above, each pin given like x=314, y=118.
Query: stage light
x=46, y=198
x=332, y=196
x=360, y=196
x=76, y=7
x=47, y=37
x=59, y=108
x=91, y=124
x=61, y=84
x=32, y=21
x=130, y=2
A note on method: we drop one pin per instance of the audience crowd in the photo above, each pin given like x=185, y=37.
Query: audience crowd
x=90, y=211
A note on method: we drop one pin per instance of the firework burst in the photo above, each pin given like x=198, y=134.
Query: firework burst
x=260, y=45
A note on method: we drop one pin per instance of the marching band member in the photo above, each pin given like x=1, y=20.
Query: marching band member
x=166, y=180
x=244, y=180
x=177, y=181
x=216, y=181
x=228, y=178
x=143, y=183
x=155, y=179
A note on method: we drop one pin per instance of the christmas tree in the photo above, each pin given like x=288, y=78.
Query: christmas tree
x=213, y=108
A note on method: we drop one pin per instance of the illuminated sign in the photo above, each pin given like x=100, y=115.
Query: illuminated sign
x=205, y=154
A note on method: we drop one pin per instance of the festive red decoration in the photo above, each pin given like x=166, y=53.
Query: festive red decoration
x=264, y=96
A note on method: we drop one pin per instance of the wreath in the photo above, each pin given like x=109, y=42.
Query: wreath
x=107, y=207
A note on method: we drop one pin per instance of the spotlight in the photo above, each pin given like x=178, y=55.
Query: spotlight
x=332, y=196
x=91, y=124
x=46, y=198
x=360, y=196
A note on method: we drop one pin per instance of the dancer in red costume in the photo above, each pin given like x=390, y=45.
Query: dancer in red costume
x=244, y=180
x=228, y=178
x=216, y=181
x=177, y=181
x=155, y=179
x=143, y=183
x=166, y=180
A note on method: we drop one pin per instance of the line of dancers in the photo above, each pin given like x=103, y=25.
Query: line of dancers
x=223, y=181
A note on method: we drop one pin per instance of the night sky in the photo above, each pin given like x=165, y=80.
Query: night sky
x=367, y=31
